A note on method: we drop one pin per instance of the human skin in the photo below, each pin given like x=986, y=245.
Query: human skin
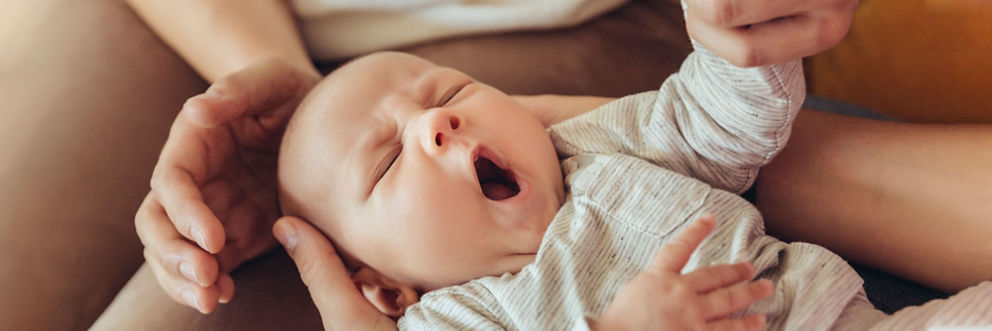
x=220, y=37
x=258, y=72
x=388, y=157
x=910, y=199
x=237, y=45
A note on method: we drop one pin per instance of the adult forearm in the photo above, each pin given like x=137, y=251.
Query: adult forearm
x=910, y=199
x=218, y=37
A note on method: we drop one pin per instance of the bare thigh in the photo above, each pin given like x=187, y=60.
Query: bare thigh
x=269, y=296
x=86, y=96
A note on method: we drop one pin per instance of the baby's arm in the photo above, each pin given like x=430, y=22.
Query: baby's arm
x=731, y=120
x=659, y=298
x=711, y=121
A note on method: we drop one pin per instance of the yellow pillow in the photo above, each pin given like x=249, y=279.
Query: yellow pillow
x=918, y=60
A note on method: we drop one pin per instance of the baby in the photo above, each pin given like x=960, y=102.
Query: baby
x=454, y=205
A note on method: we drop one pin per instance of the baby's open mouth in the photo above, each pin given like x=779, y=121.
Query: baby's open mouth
x=497, y=183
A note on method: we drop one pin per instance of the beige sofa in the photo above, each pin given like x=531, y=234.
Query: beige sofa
x=87, y=94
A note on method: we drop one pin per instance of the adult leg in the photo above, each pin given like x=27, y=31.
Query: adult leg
x=270, y=296
x=910, y=199
x=86, y=95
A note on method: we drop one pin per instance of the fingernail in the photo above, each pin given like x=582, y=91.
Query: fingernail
x=191, y=299
x=187, y=270
x=223, y=300
x=200, y=238
x=287, y=237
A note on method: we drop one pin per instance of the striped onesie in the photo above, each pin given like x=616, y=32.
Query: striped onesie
x=640, y=169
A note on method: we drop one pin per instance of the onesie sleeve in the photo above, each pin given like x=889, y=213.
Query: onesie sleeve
x=449, y=310
x=712, y=121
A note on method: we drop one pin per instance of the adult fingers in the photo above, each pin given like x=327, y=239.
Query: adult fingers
x=773, y=41
x=675, y=253
x=203, y=299
x=746, y=323
x=721, y=302
x=181, y=259
x=225, y=288
x=736, y=13
x=323, y=272
x=248, y=229
x=177, y=256
x=707, y=279
x=254, y=90
x=180, y=197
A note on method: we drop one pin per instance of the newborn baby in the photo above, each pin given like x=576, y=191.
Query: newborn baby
x=422, y=174
x=454, y=205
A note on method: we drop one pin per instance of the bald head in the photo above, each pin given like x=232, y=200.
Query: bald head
x=333, y=104
x=384, y=157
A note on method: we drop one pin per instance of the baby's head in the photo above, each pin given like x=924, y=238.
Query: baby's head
x=421, y=176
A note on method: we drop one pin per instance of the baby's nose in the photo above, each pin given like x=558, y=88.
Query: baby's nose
x=444, y=125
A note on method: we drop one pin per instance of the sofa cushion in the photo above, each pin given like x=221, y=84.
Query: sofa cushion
x=921, y=61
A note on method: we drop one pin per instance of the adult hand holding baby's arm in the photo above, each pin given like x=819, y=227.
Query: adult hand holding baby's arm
x=213, y=196
x=763, y=32
x=661, y=298
x=340, y=304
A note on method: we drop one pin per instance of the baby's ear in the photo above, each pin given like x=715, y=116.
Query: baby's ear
x=388, y=296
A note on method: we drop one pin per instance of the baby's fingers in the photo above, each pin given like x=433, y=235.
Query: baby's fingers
x=710, y=278
x=728, y=300
x=675, y=253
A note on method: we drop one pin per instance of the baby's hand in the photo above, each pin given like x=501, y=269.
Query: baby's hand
x=763, y=32
x=661, y=298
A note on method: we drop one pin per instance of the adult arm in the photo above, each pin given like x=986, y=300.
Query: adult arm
x=213, y=189
x=220, y=37
x=910, y=199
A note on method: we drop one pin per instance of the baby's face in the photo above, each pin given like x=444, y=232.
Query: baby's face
x=421, y=173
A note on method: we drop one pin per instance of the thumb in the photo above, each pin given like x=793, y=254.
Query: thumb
x=324, y=274
x=265, y=89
